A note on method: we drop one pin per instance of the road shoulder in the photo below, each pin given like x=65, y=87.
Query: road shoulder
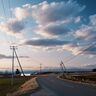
x=29, y=86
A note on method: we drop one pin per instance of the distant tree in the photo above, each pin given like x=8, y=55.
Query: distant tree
x=94, y=70
x=18, y=72
x=6, y=73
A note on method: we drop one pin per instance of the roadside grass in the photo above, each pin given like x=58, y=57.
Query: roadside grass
x=6, y=87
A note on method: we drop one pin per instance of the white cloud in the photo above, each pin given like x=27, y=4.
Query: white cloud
x=45, y=13
x=77, y=19
x=22, y=12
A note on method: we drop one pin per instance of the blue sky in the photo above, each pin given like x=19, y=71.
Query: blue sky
x=48, y=32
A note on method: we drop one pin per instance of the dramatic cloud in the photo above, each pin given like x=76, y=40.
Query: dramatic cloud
x=53, y=21
x=46, y=42
x=45, y=13
x=53, y=17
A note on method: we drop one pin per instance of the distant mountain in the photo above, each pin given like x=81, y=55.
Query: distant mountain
x=57, y=69
x=91, y=66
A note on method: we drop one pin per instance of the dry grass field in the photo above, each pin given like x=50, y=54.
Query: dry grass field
x=6, y=87
x=88, y=77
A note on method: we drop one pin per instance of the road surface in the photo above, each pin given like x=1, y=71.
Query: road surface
x=52, y=86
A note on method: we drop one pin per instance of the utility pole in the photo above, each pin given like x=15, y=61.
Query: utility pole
x=19, y=63
x=63, y=68
x=40, y=68
x=14, y=54
x=13, y=48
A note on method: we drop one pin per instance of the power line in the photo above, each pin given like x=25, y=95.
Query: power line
x=70, y=59
x=11, y=16
x=9, y=3
x=6, y=20
x=32, y=58
x=3, y=8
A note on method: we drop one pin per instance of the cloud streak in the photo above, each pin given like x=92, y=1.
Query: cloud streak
x=2, y=56
x=45, y=42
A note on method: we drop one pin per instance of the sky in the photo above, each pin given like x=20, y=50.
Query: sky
x=48, y=32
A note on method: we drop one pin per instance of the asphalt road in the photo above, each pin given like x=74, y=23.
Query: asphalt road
x=57, y=87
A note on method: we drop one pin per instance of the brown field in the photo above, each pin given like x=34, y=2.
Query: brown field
x=6, y=87
x=88, y=77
